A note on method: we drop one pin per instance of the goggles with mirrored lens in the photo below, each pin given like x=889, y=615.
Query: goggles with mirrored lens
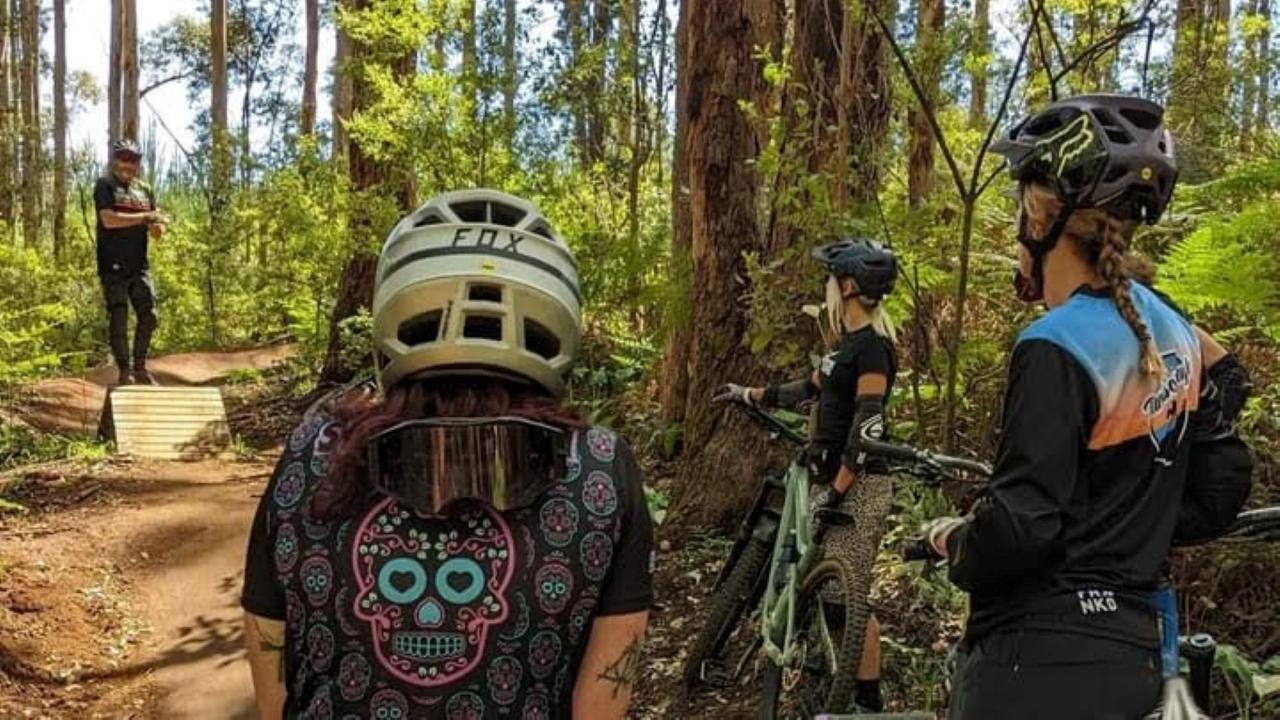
x=507, y=462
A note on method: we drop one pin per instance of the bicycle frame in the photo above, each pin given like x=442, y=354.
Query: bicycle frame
x=793, y=557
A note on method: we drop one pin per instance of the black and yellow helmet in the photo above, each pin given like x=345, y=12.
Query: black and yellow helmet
x=1104, y=151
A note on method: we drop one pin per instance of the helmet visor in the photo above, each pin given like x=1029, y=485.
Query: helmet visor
x=506, y=461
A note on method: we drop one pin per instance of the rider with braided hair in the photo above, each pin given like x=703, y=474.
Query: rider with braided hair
x=1118, y=434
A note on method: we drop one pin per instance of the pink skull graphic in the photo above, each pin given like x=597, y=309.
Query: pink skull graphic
x=430, y=589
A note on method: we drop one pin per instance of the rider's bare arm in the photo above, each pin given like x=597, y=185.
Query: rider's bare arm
x=264, y=640
x=610, y=666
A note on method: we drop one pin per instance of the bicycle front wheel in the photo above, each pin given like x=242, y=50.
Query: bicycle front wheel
x=731, y=607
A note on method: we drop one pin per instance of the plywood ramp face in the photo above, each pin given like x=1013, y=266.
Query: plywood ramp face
x=170, y=423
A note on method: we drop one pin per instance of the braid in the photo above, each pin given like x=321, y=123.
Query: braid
x=1113, y=268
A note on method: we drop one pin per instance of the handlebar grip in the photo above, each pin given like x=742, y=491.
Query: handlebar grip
x=888, y=451
x=919, y=550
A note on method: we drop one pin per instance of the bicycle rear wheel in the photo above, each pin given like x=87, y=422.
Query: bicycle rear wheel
x=732, y=605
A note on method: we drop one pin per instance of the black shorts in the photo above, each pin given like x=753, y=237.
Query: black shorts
x=1016, y=674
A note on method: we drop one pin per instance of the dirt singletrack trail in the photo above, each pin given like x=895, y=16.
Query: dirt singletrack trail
x=119, y=586
x=148, y=572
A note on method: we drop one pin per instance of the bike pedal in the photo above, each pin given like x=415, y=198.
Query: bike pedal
x=715, y=675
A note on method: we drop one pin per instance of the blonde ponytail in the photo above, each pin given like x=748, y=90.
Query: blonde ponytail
x=882, y=323
x=1104, y=240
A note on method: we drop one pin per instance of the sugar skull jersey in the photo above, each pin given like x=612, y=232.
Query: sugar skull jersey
x=476, y=614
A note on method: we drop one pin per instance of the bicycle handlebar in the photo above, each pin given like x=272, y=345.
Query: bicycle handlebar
x=773, y=424
x=1260, y=525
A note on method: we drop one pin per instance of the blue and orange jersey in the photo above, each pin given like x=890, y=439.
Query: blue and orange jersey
x=1080, y=514
x=1131, y=405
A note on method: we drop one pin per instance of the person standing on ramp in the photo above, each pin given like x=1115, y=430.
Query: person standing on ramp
x=127, y=219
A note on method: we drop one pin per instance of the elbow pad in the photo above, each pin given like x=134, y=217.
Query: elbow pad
x=868, y=424
x=789, y=394
x=1226, y=389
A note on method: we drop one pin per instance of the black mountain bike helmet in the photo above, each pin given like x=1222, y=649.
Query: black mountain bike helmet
x=1096, y=151
x=126, y=147
x=1104, y=151
x=874, y=268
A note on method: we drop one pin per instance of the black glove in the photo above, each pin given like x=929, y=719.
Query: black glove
x=826, y=508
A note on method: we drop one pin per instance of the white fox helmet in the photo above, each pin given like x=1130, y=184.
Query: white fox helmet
x=476, y=282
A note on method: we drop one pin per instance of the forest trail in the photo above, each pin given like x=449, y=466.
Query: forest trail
x=147, y=570
x=119, y=587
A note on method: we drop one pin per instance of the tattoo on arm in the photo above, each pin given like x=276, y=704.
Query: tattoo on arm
x=270, y=642
x=623, y=671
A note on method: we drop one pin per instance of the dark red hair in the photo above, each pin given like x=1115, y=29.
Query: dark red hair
x=361, y=415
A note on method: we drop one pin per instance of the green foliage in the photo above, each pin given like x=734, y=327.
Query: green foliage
x=1229, y=263
x=657, y=502
x=1254, y=686
x=21, y=445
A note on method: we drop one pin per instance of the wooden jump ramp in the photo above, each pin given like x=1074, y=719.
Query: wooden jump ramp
x=168, y=423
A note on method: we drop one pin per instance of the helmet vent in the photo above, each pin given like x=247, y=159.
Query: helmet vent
x=1144, y=120
x=484, y=211
x=482, y=327
x=541, y=228
x=485, y=293
x=540, y=341
x=420, y=329
x=1115, y=131
x=428, y=219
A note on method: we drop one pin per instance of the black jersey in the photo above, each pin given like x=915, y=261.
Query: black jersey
x=122, y=252
x=859, y=353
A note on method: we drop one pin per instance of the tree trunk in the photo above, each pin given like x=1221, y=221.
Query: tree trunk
x=469, y=53
x=675, y=362
x=129, y=71
x=929, y=65
x=1249, y=94
x=1262, y=120
x=7, y=159
x=510, y=69
x=341, y=95
x=307, y=123
x=115, y=81
x=722, y=144
x=600, y=30
x=32, y=172
x=218, y=105
x=979, y=50
x=374, y=177
x=59, y=126
x=574, y=35
x=863, y=103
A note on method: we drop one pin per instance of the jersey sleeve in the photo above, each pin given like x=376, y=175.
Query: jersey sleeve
x=875, y=359
x=104, y=198
x=629, y=586
x=1050, y=407
x=262, y=594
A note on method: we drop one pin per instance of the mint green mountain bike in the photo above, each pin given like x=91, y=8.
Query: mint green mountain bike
x=811, y=591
